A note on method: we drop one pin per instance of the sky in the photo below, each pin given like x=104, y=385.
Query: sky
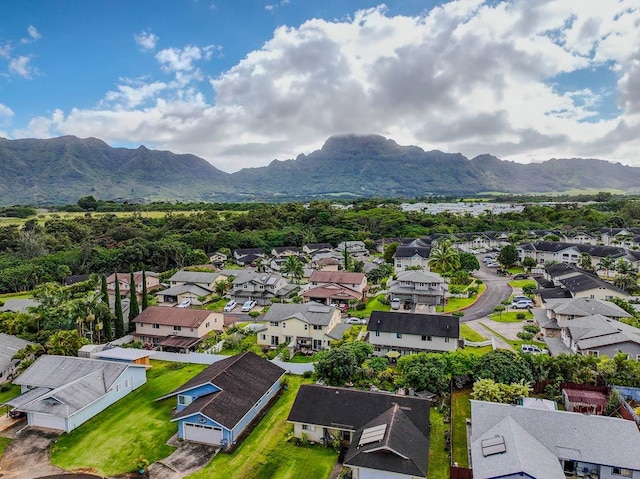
x=243, y=82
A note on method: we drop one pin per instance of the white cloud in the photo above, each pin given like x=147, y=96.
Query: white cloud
x=6, y=115
x=33, y=33
x=146, y=40
x=20, y=66
x=5, y=51
x=468, y=76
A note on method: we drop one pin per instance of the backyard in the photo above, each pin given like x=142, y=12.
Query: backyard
x=109, y=443
x=266, y=453
x=461, y=411
x=373, y=304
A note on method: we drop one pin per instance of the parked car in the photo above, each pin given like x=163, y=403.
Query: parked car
x=344, y=307
x=395, y=303
x=185, y=303
x=230, y=305
x=532, y=349
x=248, y=305
x=521, y=276
x=355, y=321
x=522, y=304
x=15, y=414
x=520, y=297
x=493, y=265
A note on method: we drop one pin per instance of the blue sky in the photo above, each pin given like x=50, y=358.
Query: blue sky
x=243, y=82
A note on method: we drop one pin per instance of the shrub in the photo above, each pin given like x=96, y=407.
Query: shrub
x=307, y=374
x=361, y=306
x=458, y=313
x=254, y=314
x=521, y=316
x=384, y=301
x=531, y=328
x=525, y=336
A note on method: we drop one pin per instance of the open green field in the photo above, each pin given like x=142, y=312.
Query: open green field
x=471, y=334
x=110, y=442
x=460, y=410
x=521, y=283
x=511, y=316
x=456, y=304
x=372, y=305
x=265, y=454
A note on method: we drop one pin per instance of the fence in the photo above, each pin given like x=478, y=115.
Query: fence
x=478, y=344
x=457, y=472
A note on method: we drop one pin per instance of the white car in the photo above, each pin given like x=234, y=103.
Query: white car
x=247, y=306
x=533, y=349
x=185, y=303
x=522, y=304
x=355, y=321
x=395, y=303
x=230, y=305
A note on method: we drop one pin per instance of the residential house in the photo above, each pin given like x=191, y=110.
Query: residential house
x=387, y=434
x=596, y=335
x=311, y=248
x=326, y=264
x=512, y=441
x=412, y=254
x=576, y=283
x=418, y=287
x=409, y=333
x=581, y=237
x=284, y=251
x=9, y=347
x=568, y=253
x=585, y=401
x=336, y=287
x=260, y=287
x=216, y=406
x=245, y=256
x=152, y=279
x=19, y=305
x=558, y=311
x=307, y=326
x=218, y=259
x=176, y=329
x=354, y=248
x=204, y=280
x=195, y=286
x=62, y=392
x=628, y=237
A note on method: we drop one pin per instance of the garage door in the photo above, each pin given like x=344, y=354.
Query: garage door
x=201, y=433
x=46, y=420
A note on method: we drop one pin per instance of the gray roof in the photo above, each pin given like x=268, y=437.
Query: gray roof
x=586, y=307
x=265, y=279
x=19, y=305
x=67, y=383
x=184, y=288
x=193, y=277
x=597, y=331
x=556, y=346
x=311, y=313
x=123, y=354
x=588, y=438
x=585, y=282
x=419, y=276
x=9, y=346
x=337, y=332
x=441, y=325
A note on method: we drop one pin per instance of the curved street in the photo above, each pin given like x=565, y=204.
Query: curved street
x=498, y=289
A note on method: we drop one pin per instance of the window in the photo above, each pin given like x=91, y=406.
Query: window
x=446, y=339
x=288, y=339
x=424, y=338
x=263, y=336
x=306, y=326
x=378, y=333
x=620, y=471
x=177, y=328
x=284, y=325
x=305, y=427
x=141, y=325
x=637, y=357
x=117, y=388
x=273, y=323
x=155, y=326
x=593, y=353
x=429, y=338
x=184, y=400
x=206, y=325
x=399, y=335
x=191, y=330
x=317, y=327
x=127, y=383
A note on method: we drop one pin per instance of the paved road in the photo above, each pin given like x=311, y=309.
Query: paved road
x=498, y=289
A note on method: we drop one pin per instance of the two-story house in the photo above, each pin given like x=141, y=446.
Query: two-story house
x=124, y=279
x=311, y=248
x=284, y=251
x=336, y=287
x=176, y=329
x=409, y=333
x=219, y=404
x=304, y=326
x=260, y=287
x=514, y=441
x=387, y=434
x=245, y=256
x=354, y=248
x=411, y=254
x=189, y=285
x=418, y=287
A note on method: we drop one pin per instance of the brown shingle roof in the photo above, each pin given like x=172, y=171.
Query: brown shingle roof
x=343, y=277
x=190, y=318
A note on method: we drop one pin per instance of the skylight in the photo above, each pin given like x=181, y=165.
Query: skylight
x=494, y=445
x=372, y=434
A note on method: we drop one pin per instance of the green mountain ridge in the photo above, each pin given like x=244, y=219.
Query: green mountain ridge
x=61, y=170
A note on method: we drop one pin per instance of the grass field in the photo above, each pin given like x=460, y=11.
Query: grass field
x=109, y=443
x=521, y=283
x=438, y=457
x=516, y=343
x=372, y=305
x=265, y=454
x=10, y=393
x=461, y=410
x=456, y=304
x=471, y=334
x=511, y=316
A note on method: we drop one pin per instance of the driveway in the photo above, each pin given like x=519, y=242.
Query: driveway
x=498, y=289
x=28, y=456
x=186, y=459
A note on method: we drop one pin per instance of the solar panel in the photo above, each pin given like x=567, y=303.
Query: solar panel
x=372, y=434
x=494, y=445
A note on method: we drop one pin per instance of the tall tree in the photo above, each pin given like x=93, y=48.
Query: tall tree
x=145, y=299
x=107, y=327
x=293, y=267
x=508, y=256
x=118, y=310
x=444, y=258
x=134, y=309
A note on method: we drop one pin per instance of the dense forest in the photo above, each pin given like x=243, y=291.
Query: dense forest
x=40, y=251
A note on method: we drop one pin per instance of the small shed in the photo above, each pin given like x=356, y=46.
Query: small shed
x=586, y=402
x=125, y=355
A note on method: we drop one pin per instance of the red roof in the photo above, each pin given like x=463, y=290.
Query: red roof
x=342, y=277
x=190, y=318
x=586, y=397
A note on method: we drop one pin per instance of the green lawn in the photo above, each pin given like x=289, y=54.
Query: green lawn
x=22, y=295
x=301, y=358
x=12, y=391
x=109, y=443
x=471, y=334
x=372, y=305
x=438, y=457
x=250, y=340
x=265, y=454
x=461, y=410
x=521, y=283
x=479, y=351
x=516, y=343
x=511, y=316
x=216, y=305
x=456, y=304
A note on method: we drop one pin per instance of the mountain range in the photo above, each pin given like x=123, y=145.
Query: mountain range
x=61, y=170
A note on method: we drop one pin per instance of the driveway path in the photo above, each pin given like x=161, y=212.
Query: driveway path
x=498, y=289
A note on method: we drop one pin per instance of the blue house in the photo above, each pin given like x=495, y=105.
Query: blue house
x=62, y=392
x=218, y=404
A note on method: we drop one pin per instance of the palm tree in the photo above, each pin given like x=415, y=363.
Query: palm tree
x=606, y=264
x=444, y=258
x=293, y=267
